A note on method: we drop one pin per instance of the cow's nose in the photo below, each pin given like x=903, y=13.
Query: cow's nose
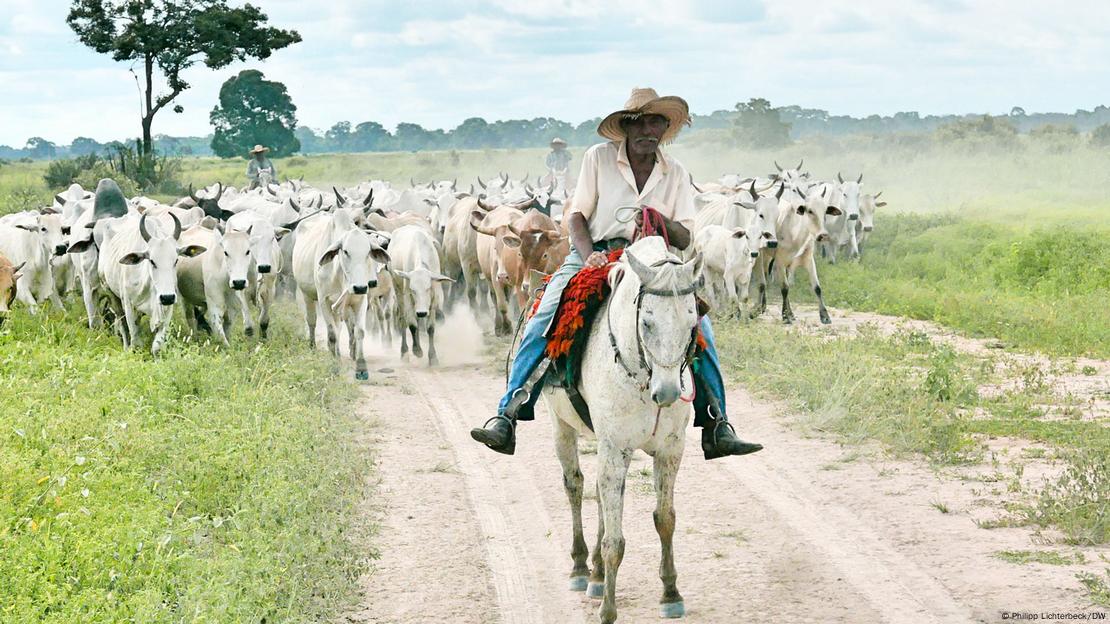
x=772, y=244
x=60, y=250
x=823, y=236
x=263, y=268
x=167, y=299
x=755, y=254
x=867, y=228
x=238, y=284
x=423, y=314
x=372, y=283
x=359, y=289
x=853, y=217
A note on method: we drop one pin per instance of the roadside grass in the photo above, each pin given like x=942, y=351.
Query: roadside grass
x=1098, y=587
x=1047, y=557
x=1043, y=289
x=204, y=485
x=914, y=396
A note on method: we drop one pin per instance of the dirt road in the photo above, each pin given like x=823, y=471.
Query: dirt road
x=804, y=531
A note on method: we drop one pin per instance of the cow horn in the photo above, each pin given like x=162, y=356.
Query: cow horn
x=778, y=167
x=483, y=205
x=799, y=167
x=221, y=193
x=319, y=201
x=695, y=184
x=782, y=187
x=275, y=186
x=524, y=180
x=823, y=189
x=192, y=196
x=860, y=180
x=551, y=187
x=176, y=226
x=302, y=177
x=472, y=189
x=412, y=183
x=369, y=201
x=339, y=201
x=142, y=228
x=480, y=183
x=61, y=200
x=505, y=177
x=528, y=188
x=839, y=178
x=455, y=183
x=879, y=194
x=755, y=195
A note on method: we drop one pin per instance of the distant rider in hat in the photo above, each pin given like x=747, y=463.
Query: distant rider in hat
x=258, y=164
x=558, y=161
x=630, y=169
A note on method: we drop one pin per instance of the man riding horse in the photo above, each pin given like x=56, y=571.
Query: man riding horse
x=260, y=167
x=629, y=170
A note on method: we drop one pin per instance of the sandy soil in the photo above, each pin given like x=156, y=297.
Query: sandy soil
x=804, y=531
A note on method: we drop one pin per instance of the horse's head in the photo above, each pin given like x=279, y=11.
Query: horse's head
x=666, y=318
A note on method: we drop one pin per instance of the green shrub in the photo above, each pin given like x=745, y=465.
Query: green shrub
x=61, y=173
x=1078, y=502
x=1100, y=136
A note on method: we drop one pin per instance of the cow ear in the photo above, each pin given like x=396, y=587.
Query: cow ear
x=329, y=255
x=436, y=277
x=379, y=255
x=80, y=246
x=29, y=228
x=191, y=251
x=47, y=210
x=226, y=214
x=476, y=218
x=834, y=211
x=880, y=204
x=133, y=258
x=401, y=274
x=738, y=233
x=511, y=241
x=802, y=209
x=279, y=232
x=745, y=204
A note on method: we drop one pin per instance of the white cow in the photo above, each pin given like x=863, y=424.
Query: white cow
x=23, y=240
x=268, y=260
x=335, y=264
x=211, y=280
x=842, y=228
x=83, y=241
x=866, y=224
x=137, y=266
x=729, y=256
x=417, y=280
x=801, y=226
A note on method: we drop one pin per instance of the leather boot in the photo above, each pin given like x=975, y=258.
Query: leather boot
x=499, y=433
x=718, y=439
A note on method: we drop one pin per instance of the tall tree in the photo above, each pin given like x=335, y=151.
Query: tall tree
x=84, y=145
x=253, y=110
x=38, y=147
x=172, y=36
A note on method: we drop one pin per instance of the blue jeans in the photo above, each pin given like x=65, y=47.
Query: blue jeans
x=530, y=353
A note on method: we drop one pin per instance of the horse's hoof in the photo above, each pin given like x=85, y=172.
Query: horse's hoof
x=362, y=375
x=433, y=361
x=595, y=590
x=579, y=583
x=672, y=610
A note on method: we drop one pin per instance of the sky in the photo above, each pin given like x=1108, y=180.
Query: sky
x=437, y=63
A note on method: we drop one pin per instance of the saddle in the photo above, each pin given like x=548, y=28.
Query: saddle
x=582, y=298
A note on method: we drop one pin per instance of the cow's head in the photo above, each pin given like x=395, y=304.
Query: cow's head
x=236, y=249
x=265, y=252
x=814, y=210
x=850, y=191
x=211, y=205
x=160, y=257
x=421, y=283
x=359, y=260
x=867, y=205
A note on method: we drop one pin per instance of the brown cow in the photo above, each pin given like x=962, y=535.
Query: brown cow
x=534, y=248
x=8, y=276
x=493, y=232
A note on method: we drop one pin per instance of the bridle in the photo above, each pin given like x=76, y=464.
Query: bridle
x=645, y=358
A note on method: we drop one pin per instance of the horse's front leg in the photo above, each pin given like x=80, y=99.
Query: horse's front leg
x=566, y=448
x=610, y=490
x=665, y=470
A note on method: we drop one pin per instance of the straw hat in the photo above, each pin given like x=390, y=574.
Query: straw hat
x=647, y=102
x=557, y=141
x=259, y=149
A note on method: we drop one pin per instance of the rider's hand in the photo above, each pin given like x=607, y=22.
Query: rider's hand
x=597, y=259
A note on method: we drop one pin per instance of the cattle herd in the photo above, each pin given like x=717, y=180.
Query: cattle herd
x=378, y=259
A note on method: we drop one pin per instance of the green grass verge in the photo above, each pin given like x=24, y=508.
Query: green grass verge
x=1047, y=557
x=204, y=485
x=1098, y=587
x=915, y=396
x=1044, y=289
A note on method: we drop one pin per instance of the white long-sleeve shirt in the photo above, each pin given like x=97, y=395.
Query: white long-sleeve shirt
x=606, y=183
